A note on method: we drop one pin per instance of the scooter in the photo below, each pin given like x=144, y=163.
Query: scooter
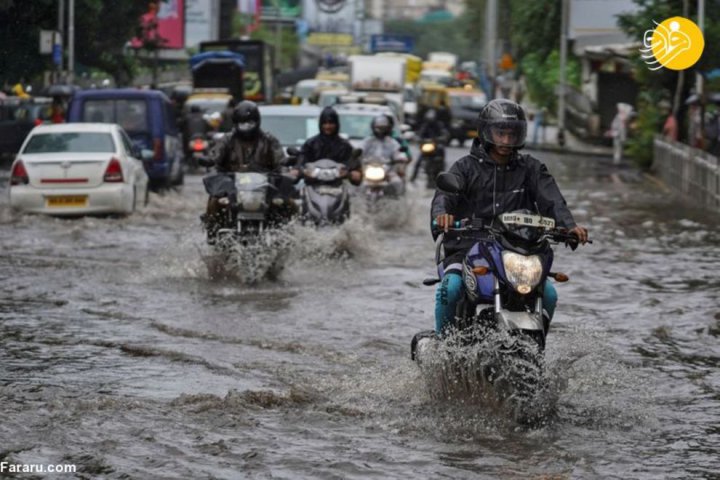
x=325, y=198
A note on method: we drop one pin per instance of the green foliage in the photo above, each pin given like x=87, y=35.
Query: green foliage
x=102, y=28
x=661, y=84
x=535, y=26
x=286, y=56
x=448, y=36
x=649, y=122
x=542, y=75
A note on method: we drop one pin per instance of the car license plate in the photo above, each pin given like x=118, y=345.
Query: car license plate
x=62, y=201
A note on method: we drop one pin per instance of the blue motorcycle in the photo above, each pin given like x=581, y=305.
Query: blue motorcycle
x=500, y=313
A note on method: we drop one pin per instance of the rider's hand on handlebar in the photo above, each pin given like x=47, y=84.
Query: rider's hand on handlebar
x=444, y=221
x=581, y=233
x=355, y=177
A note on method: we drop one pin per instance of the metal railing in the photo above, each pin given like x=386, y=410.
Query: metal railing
x=689, y=171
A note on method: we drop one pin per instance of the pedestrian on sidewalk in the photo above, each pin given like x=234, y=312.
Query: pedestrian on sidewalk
x=618, y=131
x=539, y=125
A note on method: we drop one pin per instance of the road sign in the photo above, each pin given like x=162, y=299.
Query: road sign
x=391, y=43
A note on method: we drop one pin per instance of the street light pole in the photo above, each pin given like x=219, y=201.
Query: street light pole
x=563, y=73
x=490, y=41
x=61, y=31
x=71, y=42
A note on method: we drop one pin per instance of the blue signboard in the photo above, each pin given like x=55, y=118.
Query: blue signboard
x=57, y=54
x=391, y=43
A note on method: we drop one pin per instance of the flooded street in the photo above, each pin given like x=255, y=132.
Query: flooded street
x=120, y=355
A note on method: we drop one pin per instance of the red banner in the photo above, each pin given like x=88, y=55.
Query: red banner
x=164, y=22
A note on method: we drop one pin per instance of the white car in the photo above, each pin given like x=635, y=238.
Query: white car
x=78, y=168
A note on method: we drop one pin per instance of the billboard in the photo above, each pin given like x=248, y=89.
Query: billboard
x=202, y=18
x=281, y=8
x=391, y=43
x=164, y=23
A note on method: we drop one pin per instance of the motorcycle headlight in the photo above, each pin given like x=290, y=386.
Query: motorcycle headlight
x=522, y=272
x=374, y=173
x=427, y=148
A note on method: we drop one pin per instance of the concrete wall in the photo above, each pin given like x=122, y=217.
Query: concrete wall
x=688, y=171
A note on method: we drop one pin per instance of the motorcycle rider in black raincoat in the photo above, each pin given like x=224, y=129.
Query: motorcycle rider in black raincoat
x=431, y=128
x=249, y=149
x=329, y=144
x=497, y=179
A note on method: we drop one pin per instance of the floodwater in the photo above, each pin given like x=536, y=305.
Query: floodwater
x=120, y=355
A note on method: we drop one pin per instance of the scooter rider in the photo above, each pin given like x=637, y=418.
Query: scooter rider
x=497, y=179
x=329, y=144
x=381, y=146
x=249, y=149
x=431, y=128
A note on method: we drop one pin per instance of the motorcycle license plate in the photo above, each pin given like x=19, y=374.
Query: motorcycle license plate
x=63, y=201
x=527, y=220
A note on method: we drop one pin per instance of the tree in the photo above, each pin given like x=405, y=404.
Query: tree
x=664, y=84
x=102, y=28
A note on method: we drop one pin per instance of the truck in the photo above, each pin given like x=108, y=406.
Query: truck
x=369, y=73
x=444, y=57
x=219, y=70
x=259, y=65
x=384, y=75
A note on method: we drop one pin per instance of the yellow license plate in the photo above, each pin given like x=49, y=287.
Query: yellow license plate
x=60, y=201
x=472, y=133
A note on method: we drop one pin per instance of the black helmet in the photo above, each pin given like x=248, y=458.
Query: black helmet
x=504, y=116
x=329, y=115
x=246, y=118
x=381, y=126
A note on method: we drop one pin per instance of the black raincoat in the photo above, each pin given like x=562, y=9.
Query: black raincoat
x=333, y=147
x=491, y=189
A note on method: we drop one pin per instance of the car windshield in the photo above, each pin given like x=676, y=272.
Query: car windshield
x=357, y=125
x=304, y=91
x=81, y=142
x=130, y=114
x=290, y=130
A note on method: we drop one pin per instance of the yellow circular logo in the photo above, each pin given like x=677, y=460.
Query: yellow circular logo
x=677, y=43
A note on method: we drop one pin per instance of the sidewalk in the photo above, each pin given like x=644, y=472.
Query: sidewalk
x=574, y=145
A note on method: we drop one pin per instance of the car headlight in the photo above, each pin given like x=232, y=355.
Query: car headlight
x=427, y=148
x=374, y=173
x=522, y=272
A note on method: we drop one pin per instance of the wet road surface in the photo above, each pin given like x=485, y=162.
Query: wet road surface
x=120, y=355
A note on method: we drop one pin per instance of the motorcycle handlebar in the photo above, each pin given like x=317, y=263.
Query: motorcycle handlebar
x=467, y=226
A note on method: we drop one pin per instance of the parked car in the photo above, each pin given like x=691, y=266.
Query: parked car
x=148, y=118
x=78, y=168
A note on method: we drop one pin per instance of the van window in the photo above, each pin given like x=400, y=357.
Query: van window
x=130, y=114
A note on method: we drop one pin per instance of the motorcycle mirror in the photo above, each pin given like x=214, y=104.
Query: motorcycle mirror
x=449, y=183
x=293, y=151
x=204, y=162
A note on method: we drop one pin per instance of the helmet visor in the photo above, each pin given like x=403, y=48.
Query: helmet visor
x=505, y=134
x=246, y=127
